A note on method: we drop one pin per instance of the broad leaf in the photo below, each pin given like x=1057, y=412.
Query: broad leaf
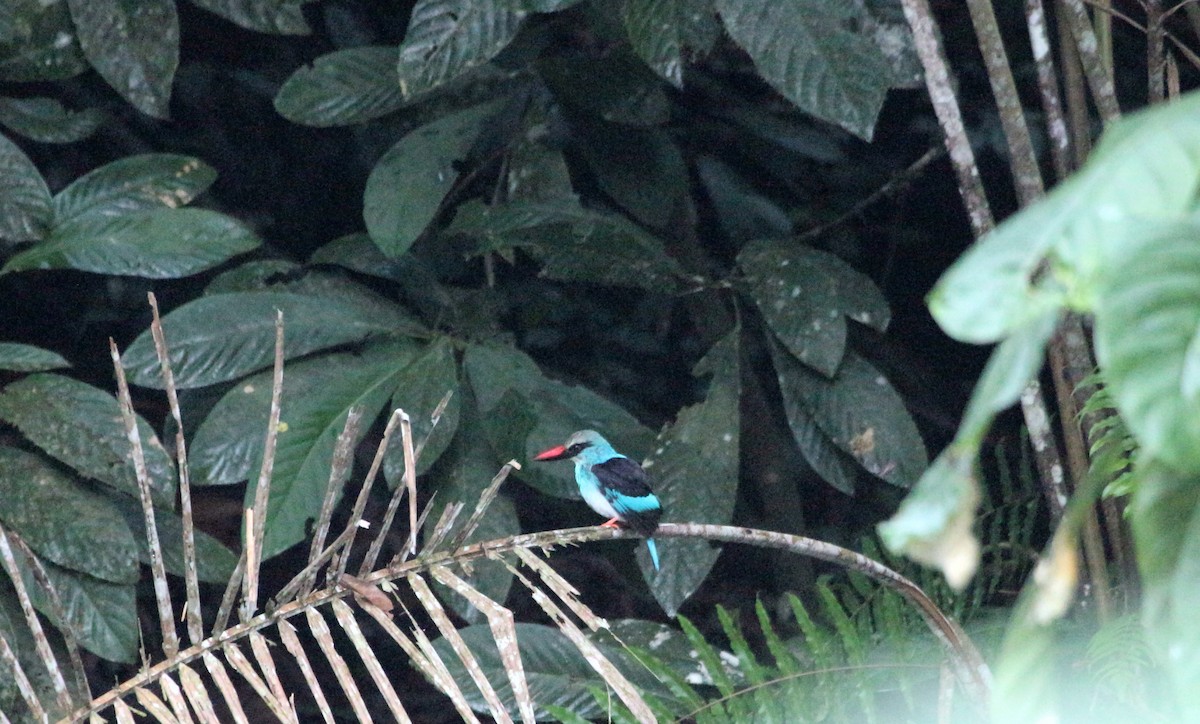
x=573, y=243
x=134, y=183
x=63, y=521
x=223, y=336
x=406, y=187
x=828, y=460
x=859, y=412
x=348, y=86
x=1165, y=513
x=16, y=357
x=420, y=387
x=81, y=426
x=804, y=294
x=24, y=198
x=265, y=16
x=557, y=673
x=103, y=615
x=157, y=244
x=317, y=394
x=447, y=38
x=46, y=120
x=934, y=523
x=39, y=43
x=1144, y=171
x=616, y=88
x=132, y=45
x=1146, y=342
x=694, y=467
x=559, y=410
x=661, y=31
x=805, y=50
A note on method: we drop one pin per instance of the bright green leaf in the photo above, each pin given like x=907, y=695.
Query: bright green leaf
x=24, y=197
x=265, y=16
x=223, y=336
x=804, y=294
x=405, y=189
x=46, y=120
x=132, y=45
x=559, y=410
x=447, y=38
x=134, y=183
x=805, y=50
x=157, y=244
x=1146, y=324
x=694, y=468
x=81, y=426
x=348, y=86
x=16, y=357
x=62, y=520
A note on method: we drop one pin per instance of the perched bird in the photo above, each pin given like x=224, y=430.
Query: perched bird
x=612, y=484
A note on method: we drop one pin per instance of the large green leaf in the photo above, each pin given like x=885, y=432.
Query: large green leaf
x=103, y=615
x=447, y=38
x=223, y=336
x=804, y=294
x=806, y=51
x=354, y=85
x=859, y=412
x=64, y=521
x=660, y=31
x=265, y=16
x=132, y=44
x=134, y=183
x=1165, y=513
x=642, y=169
x=694, y=467
x=15, y=357
x=24, y=197
x=503, y=374
x=573, y=243
x=420, y=387
x=1145, y=171
x=1146, y=341
x=406, y=187
x=39, y=43
x=81, y=426
x=46, y=120
x=157, y=244
x=557, y=673
x=317, y=394
x=229, y=443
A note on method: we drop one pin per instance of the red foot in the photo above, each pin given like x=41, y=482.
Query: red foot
x=614, y=523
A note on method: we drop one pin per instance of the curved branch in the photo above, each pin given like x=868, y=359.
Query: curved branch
x=967, y=663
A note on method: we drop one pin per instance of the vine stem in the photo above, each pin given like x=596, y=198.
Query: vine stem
x=964, y=658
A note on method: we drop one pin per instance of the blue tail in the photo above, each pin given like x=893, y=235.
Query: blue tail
x=653, y=552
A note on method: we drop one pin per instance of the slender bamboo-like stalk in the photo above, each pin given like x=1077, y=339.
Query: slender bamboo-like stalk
x=262, y=492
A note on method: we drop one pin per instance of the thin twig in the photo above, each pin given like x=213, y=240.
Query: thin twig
x=195, y=621
x=262, y=492
x=1076, y=19
x=1056, y=123
x=162, y=592
x=339, y=472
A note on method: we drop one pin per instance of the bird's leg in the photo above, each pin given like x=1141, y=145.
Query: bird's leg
x=614, y=523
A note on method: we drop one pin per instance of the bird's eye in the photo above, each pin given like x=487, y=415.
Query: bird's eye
x=577, y=448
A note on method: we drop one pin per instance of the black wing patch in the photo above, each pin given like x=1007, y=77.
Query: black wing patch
x=627, y=487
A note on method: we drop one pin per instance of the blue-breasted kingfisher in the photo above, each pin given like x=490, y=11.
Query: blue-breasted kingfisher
x=612, y=484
